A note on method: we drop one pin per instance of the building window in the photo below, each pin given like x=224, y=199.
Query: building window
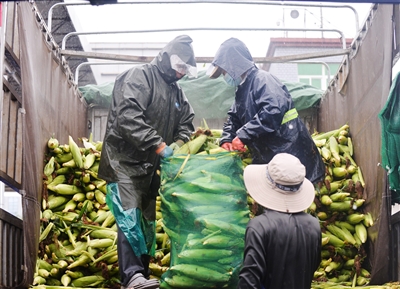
x=316, y=74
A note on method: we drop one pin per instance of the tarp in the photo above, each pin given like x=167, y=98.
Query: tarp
x=390, y=123
x=52, y=107
x=99, y=95
x=210, y=98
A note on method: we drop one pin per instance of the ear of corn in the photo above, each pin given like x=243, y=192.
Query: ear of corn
x=49, y=167
x=56, y=202
x=192, y=146
x=65, y=189
x=70, y=164
x=86, y=281
x=326, y=153
x=101, y=217
x=63, y=157
x=326, y=200
x=38, y=280
x=196, y=271
x=368, y=221
x=339, y=196
x=76, y=152
x=42, y=264
x=361, y=232
x=46, y=231
x=339, y=172
x=88, y=160
x=52, y=143
x=333, y=146
x=346, y=225
x=100, y=243
x=63, y=171
x=343, y=206
x=65, y=280
x=60, y=179
x=334, y=240
x=43, y=273
x=79, y=197
x=70, y=206
x=355, y=218
x=100, y=196
x=80, y=261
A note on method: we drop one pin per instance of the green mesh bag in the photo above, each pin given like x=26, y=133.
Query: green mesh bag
x=390, y=151
x=205, y=213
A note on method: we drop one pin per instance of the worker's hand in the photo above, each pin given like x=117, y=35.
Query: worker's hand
x=176, y=145
x=237, y=145
x=164, y=151
x=227, y=146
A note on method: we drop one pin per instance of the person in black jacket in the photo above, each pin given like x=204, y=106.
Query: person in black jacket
x=263, y=116
x=282, y=245
x=148, y=111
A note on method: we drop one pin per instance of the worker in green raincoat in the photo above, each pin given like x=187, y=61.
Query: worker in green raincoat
x=149, y=117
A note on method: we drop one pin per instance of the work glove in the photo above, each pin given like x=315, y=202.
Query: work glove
x=164, y=151
x=176, y=145
x=227, y=146
x=237, y=145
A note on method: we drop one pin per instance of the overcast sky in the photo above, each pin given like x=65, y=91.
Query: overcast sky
x=143, y=17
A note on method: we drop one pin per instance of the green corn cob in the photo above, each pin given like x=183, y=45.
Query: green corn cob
x=76, y=152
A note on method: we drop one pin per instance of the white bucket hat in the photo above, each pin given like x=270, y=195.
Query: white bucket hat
x=280, y=185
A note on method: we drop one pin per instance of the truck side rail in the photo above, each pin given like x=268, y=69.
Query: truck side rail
x=11, y=251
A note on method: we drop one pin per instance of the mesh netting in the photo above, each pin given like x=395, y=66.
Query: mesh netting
x=205, y=213
x=390, y=123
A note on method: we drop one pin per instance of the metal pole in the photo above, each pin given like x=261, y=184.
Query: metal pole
x=343, y=39
x=146, y=59
x=97, y=63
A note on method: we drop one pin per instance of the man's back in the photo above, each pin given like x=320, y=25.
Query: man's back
x=282, y=251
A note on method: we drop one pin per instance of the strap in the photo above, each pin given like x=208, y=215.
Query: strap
x=289, y=115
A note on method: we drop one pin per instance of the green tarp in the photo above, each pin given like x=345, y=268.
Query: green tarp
x=390, y=151
x=98, y=95
x=210, y=98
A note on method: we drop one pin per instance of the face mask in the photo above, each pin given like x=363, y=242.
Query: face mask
x=232, y=82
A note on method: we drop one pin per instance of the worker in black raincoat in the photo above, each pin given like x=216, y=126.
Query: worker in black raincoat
x=263, y=116
x=282, y=245
x=149, y=117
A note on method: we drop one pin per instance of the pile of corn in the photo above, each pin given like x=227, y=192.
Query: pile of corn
x=339, y=207
x=78, y=232
x=77, y=245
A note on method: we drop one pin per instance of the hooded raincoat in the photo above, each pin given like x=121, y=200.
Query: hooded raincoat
x=148, y=108
x=282, y=251
x=256, y=116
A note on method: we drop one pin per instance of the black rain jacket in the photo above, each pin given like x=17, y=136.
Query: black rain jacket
x=282, y=251
x=148, y=108
x=256, y=115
